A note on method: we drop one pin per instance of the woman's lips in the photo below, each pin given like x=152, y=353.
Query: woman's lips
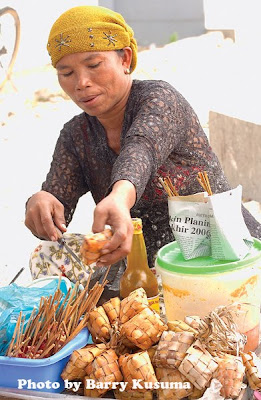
x=88, y=100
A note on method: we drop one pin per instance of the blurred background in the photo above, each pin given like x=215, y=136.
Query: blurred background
x=209, y=50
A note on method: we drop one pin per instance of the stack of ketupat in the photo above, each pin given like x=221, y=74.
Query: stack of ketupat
x=175, y=361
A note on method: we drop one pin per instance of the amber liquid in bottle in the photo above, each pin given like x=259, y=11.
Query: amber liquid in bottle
x=138, y=273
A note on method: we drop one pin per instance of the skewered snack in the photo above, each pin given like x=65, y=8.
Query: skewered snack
x=56, y=322
x=167, y=184
x=92, y=245
x=203, y=180
x=230, y=374
x=253, y=369
x=172, y=348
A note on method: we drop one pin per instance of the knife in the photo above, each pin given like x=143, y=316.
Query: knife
x=62, y=241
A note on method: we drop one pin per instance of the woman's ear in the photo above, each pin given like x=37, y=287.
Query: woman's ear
x=127, y=56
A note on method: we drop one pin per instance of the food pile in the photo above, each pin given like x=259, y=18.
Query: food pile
x=132, y=342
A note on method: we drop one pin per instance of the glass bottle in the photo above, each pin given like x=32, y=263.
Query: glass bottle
x=138, y=274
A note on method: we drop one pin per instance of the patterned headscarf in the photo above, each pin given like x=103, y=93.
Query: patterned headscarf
x=90, y=28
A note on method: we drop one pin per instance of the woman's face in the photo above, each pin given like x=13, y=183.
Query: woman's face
x=96, y=82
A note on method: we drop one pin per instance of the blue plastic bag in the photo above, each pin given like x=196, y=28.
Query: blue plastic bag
x=13, y=299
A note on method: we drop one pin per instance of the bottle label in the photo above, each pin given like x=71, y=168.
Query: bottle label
x=154, y=303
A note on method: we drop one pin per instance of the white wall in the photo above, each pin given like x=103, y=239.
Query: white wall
x=36, y=19
x=154, y=21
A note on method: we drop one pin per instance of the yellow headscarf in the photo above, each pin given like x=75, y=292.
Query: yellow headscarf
x=90, y=28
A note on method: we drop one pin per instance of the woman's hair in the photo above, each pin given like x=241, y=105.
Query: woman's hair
x=90, y=28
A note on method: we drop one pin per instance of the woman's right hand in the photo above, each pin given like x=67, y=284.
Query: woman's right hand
x=114, y=210
x=43, y=214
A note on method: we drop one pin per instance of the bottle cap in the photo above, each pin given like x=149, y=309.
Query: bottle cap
x=137, y=225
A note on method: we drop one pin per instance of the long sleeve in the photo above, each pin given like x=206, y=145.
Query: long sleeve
x=155, y=132
x=65, y=179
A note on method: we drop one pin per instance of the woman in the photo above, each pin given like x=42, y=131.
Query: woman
x=129, y=134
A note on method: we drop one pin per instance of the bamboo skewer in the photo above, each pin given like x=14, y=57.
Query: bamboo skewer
x=55, y=323
x=47, y=350
x=168, y=186
x=28, y=325
x=171, y=191
x=17, y=326
x=203, y=180
x=20, y=330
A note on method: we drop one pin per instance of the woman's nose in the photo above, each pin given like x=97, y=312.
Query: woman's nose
x=83, y=81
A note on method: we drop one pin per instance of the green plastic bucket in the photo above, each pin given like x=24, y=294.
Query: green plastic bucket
x=198, y=286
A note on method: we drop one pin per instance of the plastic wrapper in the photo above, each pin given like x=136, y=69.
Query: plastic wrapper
x=13, y=299
x=230, y=238
x=213, y=392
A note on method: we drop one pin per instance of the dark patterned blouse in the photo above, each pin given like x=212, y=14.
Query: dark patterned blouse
x=161, y=135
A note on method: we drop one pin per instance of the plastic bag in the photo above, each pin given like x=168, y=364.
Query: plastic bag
x=13, y=299
x=230, y=238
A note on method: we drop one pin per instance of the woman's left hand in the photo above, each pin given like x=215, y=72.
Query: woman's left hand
x=114, y=210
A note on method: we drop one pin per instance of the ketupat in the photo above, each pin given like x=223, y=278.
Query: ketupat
x=99, y=325
x=230, y=374
x=180, y=326
x=112, y=309
x=193, y=321
x=179, y=391
x=172, y=348
x=133, y=304
x=198, y=365
x=133, y=394
x=104, y=368
x=137, y=366
x=253, y=369
x=196, y=393
x=144, y=329
x=75, y=368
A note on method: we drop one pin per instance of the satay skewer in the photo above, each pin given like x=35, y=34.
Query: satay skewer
x=168, y=186
x=203, y=180
x=54, y=324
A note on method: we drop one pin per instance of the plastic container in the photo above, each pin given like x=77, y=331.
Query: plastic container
x=65, y=285
x=41, y=282
x=197, y=286
x=41, y=375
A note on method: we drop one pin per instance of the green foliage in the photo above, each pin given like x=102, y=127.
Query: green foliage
x=174, y=37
